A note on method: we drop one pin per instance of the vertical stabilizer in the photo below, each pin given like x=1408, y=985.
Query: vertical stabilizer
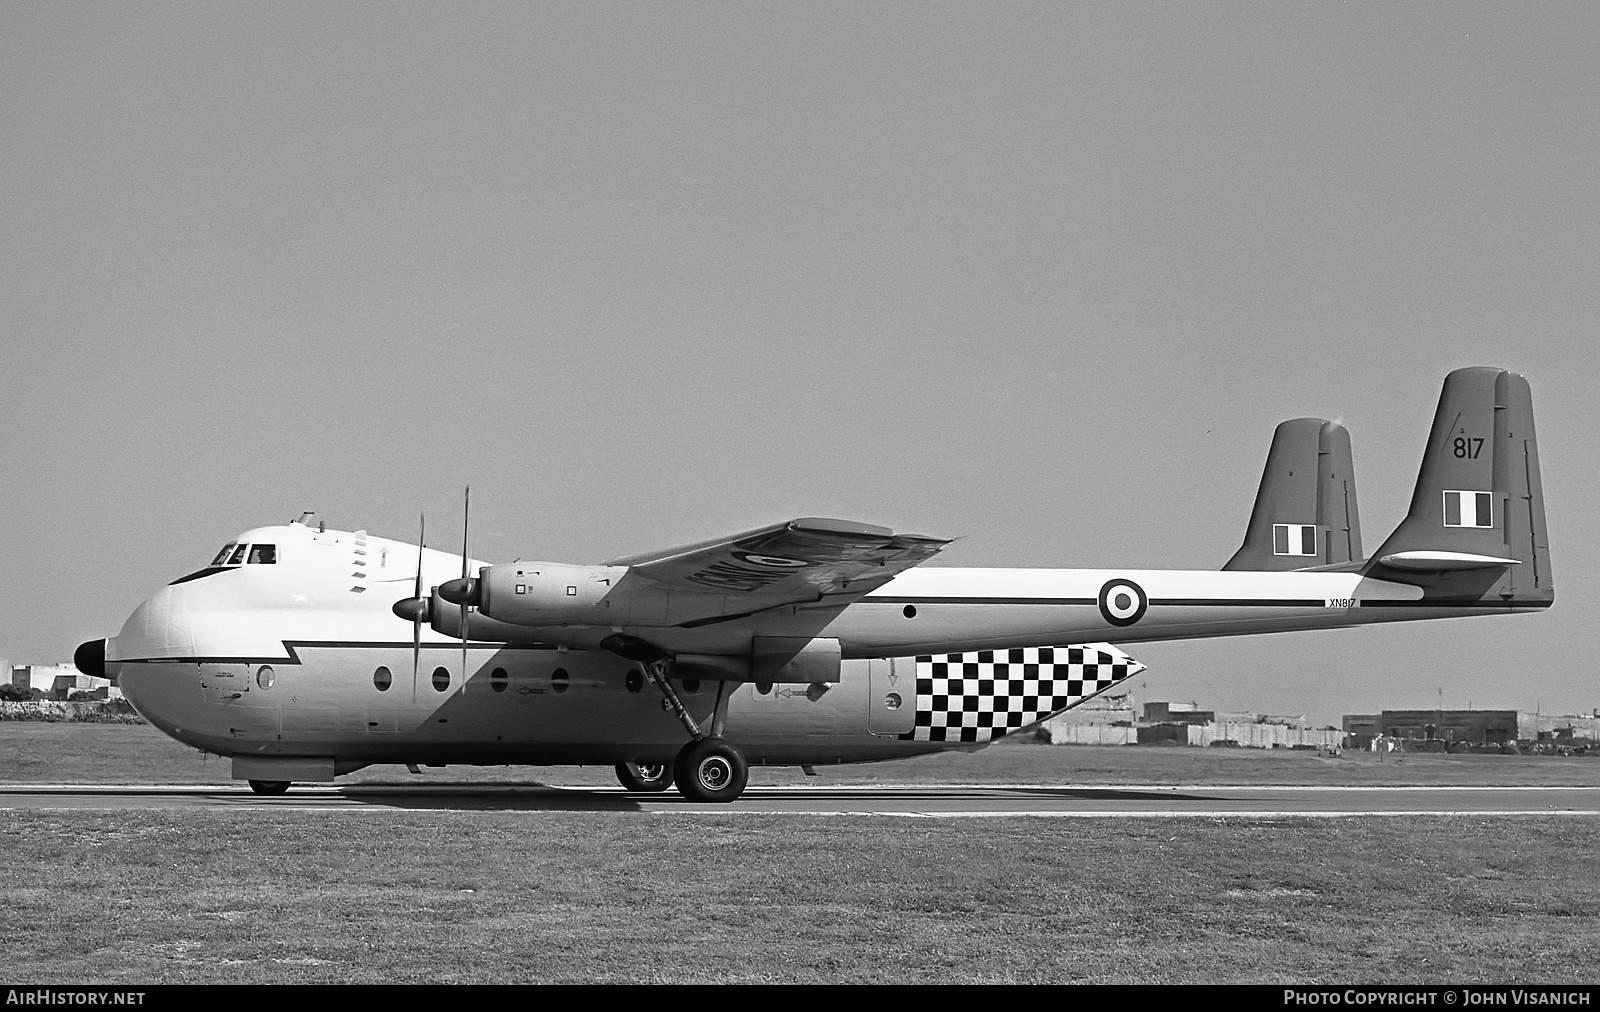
x=1477, y=515
x=1305, y=513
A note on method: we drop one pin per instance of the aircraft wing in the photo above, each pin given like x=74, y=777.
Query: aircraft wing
x=798, y=560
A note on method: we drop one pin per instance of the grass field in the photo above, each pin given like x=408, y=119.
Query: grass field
x=139, y=754
x=202, y=895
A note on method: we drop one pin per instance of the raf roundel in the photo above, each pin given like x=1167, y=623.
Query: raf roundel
x=1123, y=602
x=771, y=561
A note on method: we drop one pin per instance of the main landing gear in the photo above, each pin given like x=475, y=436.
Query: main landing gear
x=270, y=788
x=645, y=778
x=710, y=768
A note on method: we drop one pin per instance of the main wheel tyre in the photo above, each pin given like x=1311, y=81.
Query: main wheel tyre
x=646, y=778
x=711, y=769
x=269, y=787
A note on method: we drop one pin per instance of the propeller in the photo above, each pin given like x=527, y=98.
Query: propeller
x=416, y=593
x=414, y=609
x=465, y=591
x=466, y=512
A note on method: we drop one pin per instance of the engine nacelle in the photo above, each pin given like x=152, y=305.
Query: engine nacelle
x=550, y=593
x=784, y=659
x=772, y=659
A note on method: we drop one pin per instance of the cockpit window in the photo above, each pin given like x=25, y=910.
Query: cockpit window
x=265, y=555
x=237, y=557
x=222, y=556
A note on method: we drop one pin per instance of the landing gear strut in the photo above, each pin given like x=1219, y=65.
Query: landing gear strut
x=709, y=768
x=271, y=788
x=645, y=778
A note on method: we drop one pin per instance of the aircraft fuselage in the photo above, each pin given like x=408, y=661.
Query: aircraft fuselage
x=304, y=657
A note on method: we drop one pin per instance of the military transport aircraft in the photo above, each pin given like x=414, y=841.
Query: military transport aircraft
x=304, y=653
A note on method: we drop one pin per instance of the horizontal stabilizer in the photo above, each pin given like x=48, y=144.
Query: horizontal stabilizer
x=1437, y=562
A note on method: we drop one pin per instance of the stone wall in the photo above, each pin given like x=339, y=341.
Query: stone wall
x=113, y=711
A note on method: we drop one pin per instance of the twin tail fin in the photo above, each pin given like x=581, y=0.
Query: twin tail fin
x=1476, y=526
x=1305, y=514
x=1475, y=532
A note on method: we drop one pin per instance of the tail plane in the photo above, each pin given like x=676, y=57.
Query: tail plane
x=1476, y=528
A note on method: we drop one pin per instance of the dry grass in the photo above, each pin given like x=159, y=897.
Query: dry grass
x=203, y=895
x=114, y=754
x=234, y=897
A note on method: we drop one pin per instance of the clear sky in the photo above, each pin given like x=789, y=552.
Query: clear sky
x=1041, y=276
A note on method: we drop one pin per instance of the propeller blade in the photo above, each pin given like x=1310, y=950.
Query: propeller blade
x=422, y=542
x=416, y=593
x=466, y=513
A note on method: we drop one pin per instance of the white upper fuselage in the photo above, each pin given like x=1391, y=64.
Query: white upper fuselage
x=338, y=586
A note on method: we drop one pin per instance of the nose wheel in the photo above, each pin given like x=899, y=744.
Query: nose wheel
x=711, y=770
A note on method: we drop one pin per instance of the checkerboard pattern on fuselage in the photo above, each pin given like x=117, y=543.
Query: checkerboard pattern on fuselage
x=982, y=696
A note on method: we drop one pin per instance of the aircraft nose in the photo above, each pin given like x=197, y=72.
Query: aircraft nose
x=160, y=627
x=90, y=658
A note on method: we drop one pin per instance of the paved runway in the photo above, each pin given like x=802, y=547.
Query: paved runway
x=930, y=801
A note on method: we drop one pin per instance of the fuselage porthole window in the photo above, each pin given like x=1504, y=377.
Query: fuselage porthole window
x=497, y=679
x=558, y=680
x=264, y=677
x=441, y=679
x=237, y=557
x=382, y=679
x=222, y=556
x=263, y=555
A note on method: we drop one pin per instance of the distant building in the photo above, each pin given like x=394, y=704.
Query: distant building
x=60, y=681
x=1565, y=727
x=1190, y=713
x=1104, y=720
x=1478, y=727
x=1363, y=726
x=1103, y=709
x=1177, y=713
x=1109, y=720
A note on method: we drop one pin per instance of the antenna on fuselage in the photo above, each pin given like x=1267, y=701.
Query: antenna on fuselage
x=306, y=516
